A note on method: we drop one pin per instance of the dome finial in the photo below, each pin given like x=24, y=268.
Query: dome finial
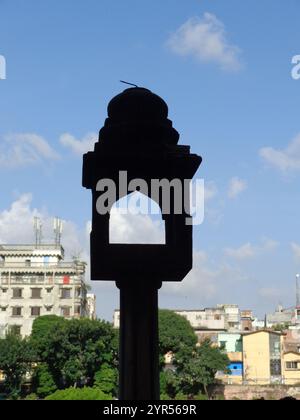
x=130, y=84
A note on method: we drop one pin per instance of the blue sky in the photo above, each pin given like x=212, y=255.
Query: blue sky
x=224, y=68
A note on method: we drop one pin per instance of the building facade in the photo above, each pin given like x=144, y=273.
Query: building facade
x=263, y=357
x=232, y=345
x=247, y=320
x=291, y=367
x=280, y=316
x=34, y=281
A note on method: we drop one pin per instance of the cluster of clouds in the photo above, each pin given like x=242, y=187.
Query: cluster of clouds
x=205, y=39
x=25, y=149
x=285, y=160
x=248, y=250
x=19, y=150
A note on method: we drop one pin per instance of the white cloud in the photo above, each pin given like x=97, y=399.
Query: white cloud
x=205, y=281
x=296, y=250
x=25, y=149
x=205, y=39
x=236, y=187
x=243, y=252
x=248, y=251
x=138, y=229
x=79, y=147
x=210, y=190
x=16, y=226
x=284, y=160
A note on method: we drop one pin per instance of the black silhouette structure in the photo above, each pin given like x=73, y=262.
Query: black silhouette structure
x=139, y=138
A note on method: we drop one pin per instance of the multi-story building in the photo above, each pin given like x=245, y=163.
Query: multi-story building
x=263, y=357
x=35, y=280
x=207, y=322
x=247, y=320
x=280, y=316
x=231, y=343
x=232, y=316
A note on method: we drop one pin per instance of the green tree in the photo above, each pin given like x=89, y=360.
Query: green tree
x=43, y=381
x=198, y=371
x=169, y=384
x=175, y=334
x=281, y=327
x=74, y=350
x=79, y=394
x=16, y=357
x=106, y=379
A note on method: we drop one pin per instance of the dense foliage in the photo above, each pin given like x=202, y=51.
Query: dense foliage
x=79, y=394
x=193, y=367
x=16, y=357
x=78, y=359
x=175, y=332
x=74, y=350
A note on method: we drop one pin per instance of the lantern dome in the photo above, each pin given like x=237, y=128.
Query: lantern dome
x=138, y=117
x=137, y=104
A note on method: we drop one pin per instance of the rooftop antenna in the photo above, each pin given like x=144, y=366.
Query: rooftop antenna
x=37, y=225
x=58, y=228
x=130, y=84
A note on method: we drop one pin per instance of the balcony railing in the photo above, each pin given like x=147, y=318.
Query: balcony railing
x=27, y=248
x=23, y=265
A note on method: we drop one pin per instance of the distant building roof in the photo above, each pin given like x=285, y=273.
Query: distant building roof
x=264, y=330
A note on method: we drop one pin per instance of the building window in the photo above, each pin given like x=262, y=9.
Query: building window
x=36, y=293
x=17, y=311
x=78, y=292
x=291, y=365
x=3, y=309
x=77, y=310
x=217, y=317
x=17, y=293
x=4, y=290
x=27, y=263
x=65, y=293
x=275, y=367
x=35, y=311
x=66, y=312
x=223, y=344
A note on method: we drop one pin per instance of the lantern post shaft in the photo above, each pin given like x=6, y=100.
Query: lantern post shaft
x=139, y=354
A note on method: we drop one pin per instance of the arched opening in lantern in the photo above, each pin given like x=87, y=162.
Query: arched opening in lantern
x=136, y=219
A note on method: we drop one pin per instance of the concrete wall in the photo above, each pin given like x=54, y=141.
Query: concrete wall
x=242, y=392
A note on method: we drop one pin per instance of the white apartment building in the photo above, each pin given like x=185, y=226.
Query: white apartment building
x=222, y=318
x=34, y=281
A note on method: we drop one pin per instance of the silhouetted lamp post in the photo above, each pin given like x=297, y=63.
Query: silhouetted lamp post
x=139, y=138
